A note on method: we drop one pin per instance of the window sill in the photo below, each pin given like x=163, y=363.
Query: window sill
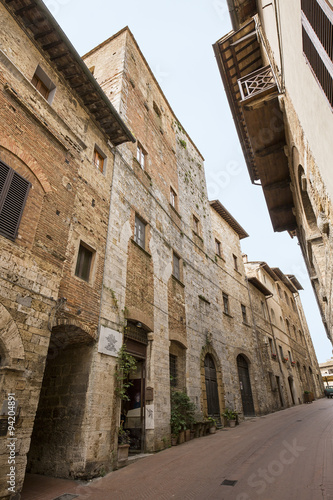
x=247, y=324
x=197, y=235
x=227, y=314
x=175, y=210
x=178, y=280
x=141, y=248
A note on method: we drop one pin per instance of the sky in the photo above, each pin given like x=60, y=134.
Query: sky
x=176, y=38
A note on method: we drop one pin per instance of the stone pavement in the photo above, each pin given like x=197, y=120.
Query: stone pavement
x=285, y=455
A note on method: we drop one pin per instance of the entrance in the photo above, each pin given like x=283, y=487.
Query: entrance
x=133, y=410
x=279, y=390
x=290, y=381
x=245, y=386
x=211, y=388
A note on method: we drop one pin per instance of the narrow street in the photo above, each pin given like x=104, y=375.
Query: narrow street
x=285, y=455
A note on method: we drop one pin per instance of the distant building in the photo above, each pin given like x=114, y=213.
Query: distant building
x=277, y=70
x=326, y=370
x=108, y=239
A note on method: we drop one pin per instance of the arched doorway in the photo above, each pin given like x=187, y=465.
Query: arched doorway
x=211, y=388
x=245, y=386
x=133, y=410
x=291, y=388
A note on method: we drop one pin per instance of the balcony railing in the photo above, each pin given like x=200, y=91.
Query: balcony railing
x=257, y=82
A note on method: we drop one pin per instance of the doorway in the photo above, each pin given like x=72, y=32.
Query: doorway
x=213, y=405
x=245, y=386
x=290, y=382
x=133, y=410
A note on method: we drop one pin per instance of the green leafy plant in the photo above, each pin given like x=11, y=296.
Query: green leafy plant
x=230, y=414
x=126, y=365
x=182, y=412
x=123, y=435
x=212, y=421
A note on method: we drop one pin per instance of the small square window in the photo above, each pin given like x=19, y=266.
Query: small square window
x=225, y=303
x=173, y=198
x=195, y=224
x=99, y=160
x=244, y=316
x=83, y=264
x=218, y=247
x=141, y=155
x=43, y=84
x=176, y=266
x=235, y=262
x=140, y=232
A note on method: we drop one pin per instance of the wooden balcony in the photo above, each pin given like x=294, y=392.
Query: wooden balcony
x=253, y=93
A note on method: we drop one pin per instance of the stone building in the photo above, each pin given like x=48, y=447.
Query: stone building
x=277, y=70
x=56, y=163
x=115, y=242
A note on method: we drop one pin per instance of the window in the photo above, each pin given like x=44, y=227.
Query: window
x=173, y=198
x=140, y=232
x=317, y=26
x=271, y=345
x=218, y=247
x=288, y=327
x=195, y=224
x=279, y=291
x=14, y=191
x=273, y=316
x=286, y=298
x=225, y=303
x=263, y=309
x=176, y=266
x=300, y=336
x=99, y=159
x=244, y=316
x=84, y=260
x=173, y=370
x=235, y=262
x=293, y=304
x=295, y=334
x=141, y=155
x=43, y=84
x=281, y=352
x=289, y=356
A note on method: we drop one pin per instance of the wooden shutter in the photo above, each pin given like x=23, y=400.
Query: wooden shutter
x=14, y=191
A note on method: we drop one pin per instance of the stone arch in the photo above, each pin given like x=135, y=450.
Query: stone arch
x=11, y=339
x=208, y=349
x=10, y=146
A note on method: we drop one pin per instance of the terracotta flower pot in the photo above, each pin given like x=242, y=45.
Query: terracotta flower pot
x=232, y=423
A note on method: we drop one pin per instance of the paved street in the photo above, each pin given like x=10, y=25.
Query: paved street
x=281, y=456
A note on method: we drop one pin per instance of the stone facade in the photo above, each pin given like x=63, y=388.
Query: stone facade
x=132, y=253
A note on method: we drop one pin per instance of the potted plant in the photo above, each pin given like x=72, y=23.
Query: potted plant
x=273, y=356
x=293, y=363
x=123, y=443
x=231, y=416
x=284, y=360
x=307, y=397
x=212, y=426
x=182, y=414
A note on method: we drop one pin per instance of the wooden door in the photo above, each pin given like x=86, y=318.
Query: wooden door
x=245, y=386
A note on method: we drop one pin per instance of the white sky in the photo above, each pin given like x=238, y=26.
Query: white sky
x=176, y=38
